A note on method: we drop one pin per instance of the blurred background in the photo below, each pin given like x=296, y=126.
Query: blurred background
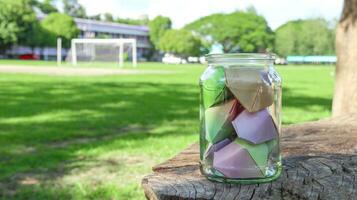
x=95, y=93
x=179, y=31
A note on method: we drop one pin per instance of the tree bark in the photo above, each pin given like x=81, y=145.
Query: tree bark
x=320, y=162
x=345, y=95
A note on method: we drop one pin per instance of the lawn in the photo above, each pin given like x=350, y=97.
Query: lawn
x=96, y=137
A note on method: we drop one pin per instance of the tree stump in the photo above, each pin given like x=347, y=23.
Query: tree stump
x=319, y=162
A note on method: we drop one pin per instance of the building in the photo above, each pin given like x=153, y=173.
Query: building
x=99, y=29
x=311, y=59
x=95, y=29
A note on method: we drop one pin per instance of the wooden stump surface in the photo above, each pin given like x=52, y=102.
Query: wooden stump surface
x=319, y=162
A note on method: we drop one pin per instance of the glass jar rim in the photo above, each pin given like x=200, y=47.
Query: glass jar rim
x=222, y=57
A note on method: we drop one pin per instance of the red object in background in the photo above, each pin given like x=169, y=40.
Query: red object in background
x=29, y=57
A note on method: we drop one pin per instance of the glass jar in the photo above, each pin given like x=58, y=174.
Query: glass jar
x=240, y=118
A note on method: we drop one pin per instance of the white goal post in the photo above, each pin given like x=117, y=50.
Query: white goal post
x=119, y=42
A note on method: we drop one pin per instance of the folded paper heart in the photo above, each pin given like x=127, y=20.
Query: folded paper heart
x=257, y=127
x=216, y=147
x=241, y=159
x=213, y=86
x=218, y=120
x=252, y=87
x=273, y=147
x=234, y=161
x=259, y=152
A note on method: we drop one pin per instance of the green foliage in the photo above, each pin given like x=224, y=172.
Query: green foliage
x=16, y=20
x=158, y=26
x=142, y=21
x=59, y=25
x=181, y=42
x=103, y=36
x=74, y=9
x=48, y=6
x=108, y=17
x=37, y=36
x=305, y=37
x=237, y=32
x=97, y=17
x=45, y=6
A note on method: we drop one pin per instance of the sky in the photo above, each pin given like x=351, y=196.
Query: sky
x=181, y=12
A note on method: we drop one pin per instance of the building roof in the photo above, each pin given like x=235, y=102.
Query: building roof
x=107, y=27
x=110, y=27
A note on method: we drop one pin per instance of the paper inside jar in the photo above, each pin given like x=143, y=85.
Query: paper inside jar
x=251, y=86
x=213, y=87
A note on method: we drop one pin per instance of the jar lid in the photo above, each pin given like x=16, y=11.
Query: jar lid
x=239, y=57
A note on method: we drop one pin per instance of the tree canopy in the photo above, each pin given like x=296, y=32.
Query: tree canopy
x=142, y=21
x=108, y=17
x=158, y=26
x=46, y=6
x=59, y=25
x=305, y=37
x=180, y=42
x=16, y=20
x=74, y=9
x=240, y=31
x=37, y=36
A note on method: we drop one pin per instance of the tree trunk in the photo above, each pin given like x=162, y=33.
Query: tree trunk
x=345, y=96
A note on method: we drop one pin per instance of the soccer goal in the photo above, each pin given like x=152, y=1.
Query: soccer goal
x=103, y=51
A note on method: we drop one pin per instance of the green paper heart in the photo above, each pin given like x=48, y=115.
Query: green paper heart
x=272, y=144
x=218, y=124
x=212, y=97
x=213, y=86
x=259, y=152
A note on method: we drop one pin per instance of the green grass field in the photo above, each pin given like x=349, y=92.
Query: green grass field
x=96, y=137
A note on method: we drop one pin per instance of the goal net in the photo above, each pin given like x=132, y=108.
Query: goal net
x=102, y=51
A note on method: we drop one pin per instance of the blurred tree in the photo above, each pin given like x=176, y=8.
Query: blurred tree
x=74, y=9
x=304, y=37
x=142, y=21
x=345, y=96
x=59, y=25
x=108, y=17
x=180, y=42
x=158, y=26
x=46, y=6
x=16, y=20
x=237, y=32
x=97, y=17
x=285, y=42
x=36, y=36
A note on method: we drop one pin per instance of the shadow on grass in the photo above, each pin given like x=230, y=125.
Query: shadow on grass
x=292, y=100
x=43, y=125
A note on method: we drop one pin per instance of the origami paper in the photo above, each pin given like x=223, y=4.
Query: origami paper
x=218, y=120
x=255, y=127
x=273, y=147
x=217, y=173
x=213, y=86
x=259, y=152
x=235, y=162
x=216, y=147
x=272, y=144
x=251, y=86
x=274, y=115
